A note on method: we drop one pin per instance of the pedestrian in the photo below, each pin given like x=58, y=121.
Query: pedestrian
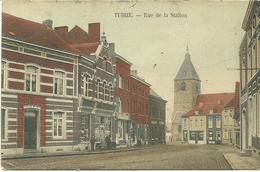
x=108, y=141
x=92, y=141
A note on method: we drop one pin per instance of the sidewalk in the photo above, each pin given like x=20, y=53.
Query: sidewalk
x=41, y=155
x=238, y=162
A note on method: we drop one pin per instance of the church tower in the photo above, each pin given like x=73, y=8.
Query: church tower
x=187, y=86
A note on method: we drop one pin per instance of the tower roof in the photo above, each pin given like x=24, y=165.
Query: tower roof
x=187, y=70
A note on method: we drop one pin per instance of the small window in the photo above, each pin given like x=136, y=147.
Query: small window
x=59, y=83
x=31, y=79
x=3, y=74
x=3, y=123
x=58, y=125
x=121, y=82
x=183, y=86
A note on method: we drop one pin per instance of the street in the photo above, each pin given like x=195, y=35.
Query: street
x=153, y=157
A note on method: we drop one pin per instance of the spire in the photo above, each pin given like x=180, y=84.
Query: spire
x=187, y=55
x=187, y=70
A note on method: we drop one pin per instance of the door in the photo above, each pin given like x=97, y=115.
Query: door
x=30, y=130
x=196, y=137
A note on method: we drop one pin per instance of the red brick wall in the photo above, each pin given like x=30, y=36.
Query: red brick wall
x=38, y=101
x=123, y=69
x=139, y=95
x=16, y=85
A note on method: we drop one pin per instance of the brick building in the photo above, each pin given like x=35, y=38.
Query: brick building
x=139, y=108
x=38, y=88
x=95, y=84
x=122, y=93
x=157, y=127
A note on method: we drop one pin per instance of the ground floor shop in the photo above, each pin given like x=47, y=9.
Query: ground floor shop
x=156, y=132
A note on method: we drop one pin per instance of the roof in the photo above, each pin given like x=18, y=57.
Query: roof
x=234, y=103
x=206, y=102
x=153, y=93
x=32, y=32
x=252, y=5
x=115, y=55
x=187, y=70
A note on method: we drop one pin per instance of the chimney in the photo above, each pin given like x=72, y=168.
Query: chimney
x=134, y=72
x=94, y=31
x=112, y=47
x=48, y=23
x=62, y=30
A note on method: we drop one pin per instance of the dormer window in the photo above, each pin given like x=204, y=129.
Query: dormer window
x=211, y=111
x=196, y=112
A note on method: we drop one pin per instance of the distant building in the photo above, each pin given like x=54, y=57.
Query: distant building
x=250, y=80
x=203, y=123
x=157, y=127
x=186, y=89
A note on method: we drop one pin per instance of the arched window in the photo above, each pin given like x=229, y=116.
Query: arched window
x=31, y=78
x=183, y=86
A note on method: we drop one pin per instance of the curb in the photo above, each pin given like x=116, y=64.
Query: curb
x=229, y=162
x=24, y=156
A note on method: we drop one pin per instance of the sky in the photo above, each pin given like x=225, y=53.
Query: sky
x=211, y=29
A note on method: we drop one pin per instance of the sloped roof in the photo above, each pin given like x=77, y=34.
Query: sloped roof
x=236, y=100
x=153, y=93
x=206, y=102
x=32, y=32
x=187, y=70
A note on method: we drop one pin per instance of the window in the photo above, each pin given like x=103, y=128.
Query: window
x=3, y=74
x=201, y=123
x=3, y=123
x=106, y=91
x=58, y=125
x=218, y=122
x=191, y=123
x=196, y=122
x=121, y=82
x=86, y=85
x=183, y=86
x=119, y=105
x=111, y=93
x=59, y=83
x=31, y=79
x=100, y=89
x=210, y=122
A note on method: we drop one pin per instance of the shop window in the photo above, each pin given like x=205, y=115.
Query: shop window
x=31, y=79
x=59, y=125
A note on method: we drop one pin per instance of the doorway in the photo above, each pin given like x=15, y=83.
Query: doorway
x=30, y=129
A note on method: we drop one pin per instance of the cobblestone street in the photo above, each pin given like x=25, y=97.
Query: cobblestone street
x=154, y=157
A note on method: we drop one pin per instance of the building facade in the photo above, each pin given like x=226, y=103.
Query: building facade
x=203, y=123
x=186, y=89
x=139, y=109
x=122, y=93
x=250, y=81
x=157, y=128
x=38, y=84
x=96, y=109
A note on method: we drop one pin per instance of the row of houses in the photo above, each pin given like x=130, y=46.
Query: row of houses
x=213, y=119
x=203, y=118
x=68, y=90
